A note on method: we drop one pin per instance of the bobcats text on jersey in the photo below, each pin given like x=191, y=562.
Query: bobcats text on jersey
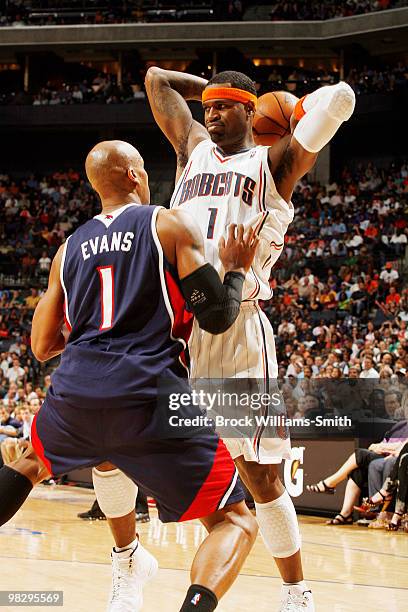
x=221, y=184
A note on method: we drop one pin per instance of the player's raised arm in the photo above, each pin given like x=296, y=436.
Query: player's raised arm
x=167, y=91
x=47, y=340
x=214, y=304
x=319, y=116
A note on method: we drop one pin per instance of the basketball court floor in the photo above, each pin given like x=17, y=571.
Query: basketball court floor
x=46, y=547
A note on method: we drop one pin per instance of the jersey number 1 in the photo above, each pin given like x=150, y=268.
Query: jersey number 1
x=211, y=223
x=107, y=296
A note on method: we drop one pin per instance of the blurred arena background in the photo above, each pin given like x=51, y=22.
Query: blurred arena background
x=72, y=74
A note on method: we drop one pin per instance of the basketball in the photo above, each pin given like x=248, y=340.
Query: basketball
x=272, y=117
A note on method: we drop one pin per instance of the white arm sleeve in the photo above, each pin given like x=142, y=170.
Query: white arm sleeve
x=326, y=109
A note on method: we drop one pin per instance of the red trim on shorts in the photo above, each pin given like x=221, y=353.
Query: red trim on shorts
x=37, y=444
x=215, y=486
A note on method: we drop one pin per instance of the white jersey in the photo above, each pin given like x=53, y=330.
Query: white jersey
x=219, y=189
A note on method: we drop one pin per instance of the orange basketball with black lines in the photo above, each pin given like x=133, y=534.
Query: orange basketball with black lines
x=272, y=117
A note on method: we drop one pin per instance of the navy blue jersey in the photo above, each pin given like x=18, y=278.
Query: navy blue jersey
x=125, y=312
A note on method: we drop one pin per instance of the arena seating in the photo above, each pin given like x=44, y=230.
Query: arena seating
x=65, y=12
x=342, y=265
x=104, y=89
x=338, y=283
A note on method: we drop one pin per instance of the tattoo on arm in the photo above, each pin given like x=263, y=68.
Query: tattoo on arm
x=164, y=99
x=285, y=166
x=182, y=155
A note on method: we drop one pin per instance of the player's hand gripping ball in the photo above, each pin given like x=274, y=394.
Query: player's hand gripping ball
x=272, y=117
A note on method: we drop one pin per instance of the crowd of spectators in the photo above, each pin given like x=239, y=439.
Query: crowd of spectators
x=19, y=404
x=36, y=214
x=295, y=80
x=365, y=81
x=303, y=10
x=371, y=80
x=381, y=470
x=19, y=13
x=340, y=307
x=104, y=88
x=340, y=314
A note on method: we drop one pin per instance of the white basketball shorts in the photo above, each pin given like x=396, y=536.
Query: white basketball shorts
x=246, y=350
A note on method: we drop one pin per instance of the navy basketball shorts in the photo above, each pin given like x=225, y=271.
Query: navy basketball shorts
x=189, y=477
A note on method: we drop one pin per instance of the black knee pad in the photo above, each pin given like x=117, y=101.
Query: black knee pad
x=14, y=490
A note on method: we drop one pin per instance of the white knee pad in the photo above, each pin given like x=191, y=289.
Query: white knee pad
x=326, y=109
x=115, y=492
x=278, y=526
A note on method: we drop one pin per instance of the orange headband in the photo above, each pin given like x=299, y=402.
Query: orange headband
x=228, y=93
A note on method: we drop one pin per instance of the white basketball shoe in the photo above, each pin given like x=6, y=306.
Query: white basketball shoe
x=294, y=599
x=131, y=569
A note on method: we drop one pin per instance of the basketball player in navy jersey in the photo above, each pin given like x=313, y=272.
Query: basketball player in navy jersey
x=223, y=178
x=121, y=283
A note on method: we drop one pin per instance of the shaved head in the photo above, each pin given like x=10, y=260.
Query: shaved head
x=115, y=168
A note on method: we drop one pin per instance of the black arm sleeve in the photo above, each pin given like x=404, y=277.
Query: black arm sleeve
x=214, y=304
x=14, y=490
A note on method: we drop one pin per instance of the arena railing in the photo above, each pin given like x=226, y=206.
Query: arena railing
x=324, y=35
x=12, y=277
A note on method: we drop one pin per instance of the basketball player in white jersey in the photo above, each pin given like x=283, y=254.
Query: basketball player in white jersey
x=223, y=178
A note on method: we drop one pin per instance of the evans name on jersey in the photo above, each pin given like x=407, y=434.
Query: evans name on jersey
x=118, y=241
